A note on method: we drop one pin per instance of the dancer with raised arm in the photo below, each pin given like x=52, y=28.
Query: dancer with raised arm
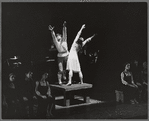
x=73, y=64
x=60, y=42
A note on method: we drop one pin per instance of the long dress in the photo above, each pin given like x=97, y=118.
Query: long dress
x=73, y=60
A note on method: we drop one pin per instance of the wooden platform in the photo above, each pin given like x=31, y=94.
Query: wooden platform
x=68, y=91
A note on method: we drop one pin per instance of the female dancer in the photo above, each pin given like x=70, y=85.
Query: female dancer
x=73, y=64
x=44, y=96
x=130, y=88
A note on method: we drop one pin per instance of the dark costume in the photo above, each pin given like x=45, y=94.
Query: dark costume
x=43, y=104
x=136, y=71
x=145, y=86
x=29, y=93
x=12, y=99
x=130, y=92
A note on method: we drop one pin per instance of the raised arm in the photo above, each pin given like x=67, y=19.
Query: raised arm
x=79, y=33
x=87, y=40
x=53, y=35
x=64, y=31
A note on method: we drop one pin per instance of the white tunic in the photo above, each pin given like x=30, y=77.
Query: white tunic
x=73, y=61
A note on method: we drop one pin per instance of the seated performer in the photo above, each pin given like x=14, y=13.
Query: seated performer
x=45, y=99
x=73, y=64
x=130, y=88
x=28, y=89
x=60, y=42
x=144, y=81
x=12, y=98
x=136, y=71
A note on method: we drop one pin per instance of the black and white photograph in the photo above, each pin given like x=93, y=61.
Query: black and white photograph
x=74, y=60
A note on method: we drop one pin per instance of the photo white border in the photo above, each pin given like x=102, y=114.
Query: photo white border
x=67, y=1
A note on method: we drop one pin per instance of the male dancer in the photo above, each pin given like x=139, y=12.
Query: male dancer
x=60, y=42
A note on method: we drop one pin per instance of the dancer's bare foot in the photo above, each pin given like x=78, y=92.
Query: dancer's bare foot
x=60, y=83
x=68, y=84
x=80, y=82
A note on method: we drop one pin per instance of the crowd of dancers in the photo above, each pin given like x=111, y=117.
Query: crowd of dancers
x=18, y=99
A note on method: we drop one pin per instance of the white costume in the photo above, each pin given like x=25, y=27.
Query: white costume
x=73, y=61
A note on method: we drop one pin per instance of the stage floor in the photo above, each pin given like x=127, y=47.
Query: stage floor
x=104, y=111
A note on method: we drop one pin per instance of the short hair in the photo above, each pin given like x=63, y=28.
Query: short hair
x=45, y=73
x=144, y=63
x=125, y=64
x=80, y=40
x=58, y=34
x=11, y=74
x=27, y=72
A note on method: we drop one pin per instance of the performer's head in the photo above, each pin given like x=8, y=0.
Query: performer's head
x=11, y=77
x=127, y=66
x=136, y=62
x=145, y=65
x=45, y=76
x=80, y=42
x=29, y=74
x=59, y=37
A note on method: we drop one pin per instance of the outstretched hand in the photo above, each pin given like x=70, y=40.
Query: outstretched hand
x=51, y=28
x=64, y=24
x=83, y=26
x=93, y=36
x=90, y=38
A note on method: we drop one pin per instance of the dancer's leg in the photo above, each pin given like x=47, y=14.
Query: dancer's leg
x=70, y=77
x=64, y=67
x=50, y=106
x=60, y=70
x=81, y=77
x=59, y=77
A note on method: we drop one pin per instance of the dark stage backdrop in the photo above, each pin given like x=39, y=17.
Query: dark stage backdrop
x=121, y=33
